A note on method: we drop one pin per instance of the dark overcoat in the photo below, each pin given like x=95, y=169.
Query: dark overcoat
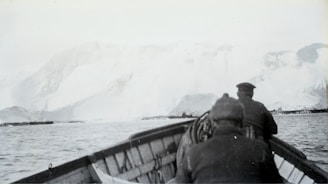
x=257, y=116
x=228, y=157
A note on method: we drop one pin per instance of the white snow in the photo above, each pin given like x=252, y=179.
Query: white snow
x=107, y=81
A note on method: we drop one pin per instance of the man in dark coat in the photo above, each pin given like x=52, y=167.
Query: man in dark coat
x=257, y=118
x=228, y=156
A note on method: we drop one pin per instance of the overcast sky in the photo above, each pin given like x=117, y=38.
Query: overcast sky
x=32, y=31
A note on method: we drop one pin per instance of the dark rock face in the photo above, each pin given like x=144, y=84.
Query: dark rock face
x=309, y=53
x=194, y=105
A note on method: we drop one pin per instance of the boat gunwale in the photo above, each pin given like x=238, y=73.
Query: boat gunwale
x=288, y=152
x=132, y=141
x=57, y=171
x=298, y=160
x=142, y=138
x=151, y=131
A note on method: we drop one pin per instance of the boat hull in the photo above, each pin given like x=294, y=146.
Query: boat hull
x=150, y=157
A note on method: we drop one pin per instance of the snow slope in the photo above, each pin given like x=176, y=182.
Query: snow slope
x=106, y=81
x=19, y=114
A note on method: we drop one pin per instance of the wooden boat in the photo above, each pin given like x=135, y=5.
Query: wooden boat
x=150, y=157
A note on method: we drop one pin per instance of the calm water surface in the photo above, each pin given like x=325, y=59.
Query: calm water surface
x=26, y=150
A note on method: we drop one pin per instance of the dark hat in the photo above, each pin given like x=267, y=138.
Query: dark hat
x=245, y=86
x=227, y=108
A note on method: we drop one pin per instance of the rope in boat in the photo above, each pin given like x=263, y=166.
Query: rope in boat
x=201, y=129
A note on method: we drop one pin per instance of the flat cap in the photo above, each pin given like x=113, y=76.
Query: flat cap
x=245, y=86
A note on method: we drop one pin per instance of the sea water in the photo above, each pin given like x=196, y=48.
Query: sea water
x=26, y=150
x=308, y=133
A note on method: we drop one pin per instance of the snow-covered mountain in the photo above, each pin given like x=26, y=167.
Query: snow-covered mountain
x=194, y=105
x=19, y=114
x=106, y=81
x=294, y=80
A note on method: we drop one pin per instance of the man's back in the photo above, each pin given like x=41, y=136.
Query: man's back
x=229, y=157
x=257, y=116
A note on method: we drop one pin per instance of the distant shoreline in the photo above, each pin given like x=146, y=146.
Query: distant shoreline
x=274, y=112
x=184, y=116
x=27, y=123
x=32, y=123
x=168, y=117
x=299, y=111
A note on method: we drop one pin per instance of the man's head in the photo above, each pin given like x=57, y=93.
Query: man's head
x=227, y=111
x=245, y=89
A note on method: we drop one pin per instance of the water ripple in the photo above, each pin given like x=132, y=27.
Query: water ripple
x=29, y=149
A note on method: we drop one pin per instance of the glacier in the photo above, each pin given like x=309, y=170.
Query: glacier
x=117, y=82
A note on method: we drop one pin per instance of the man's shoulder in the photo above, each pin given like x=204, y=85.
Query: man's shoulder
x=251, y=101
x=199, y=146
x=259, y=104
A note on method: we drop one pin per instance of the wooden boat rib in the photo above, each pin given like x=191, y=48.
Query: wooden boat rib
x=150, y=157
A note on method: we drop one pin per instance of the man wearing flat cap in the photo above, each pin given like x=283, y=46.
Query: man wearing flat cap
x=258, y=121
x=228, y=156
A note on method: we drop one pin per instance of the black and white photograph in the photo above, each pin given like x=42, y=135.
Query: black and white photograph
x=163, y=91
